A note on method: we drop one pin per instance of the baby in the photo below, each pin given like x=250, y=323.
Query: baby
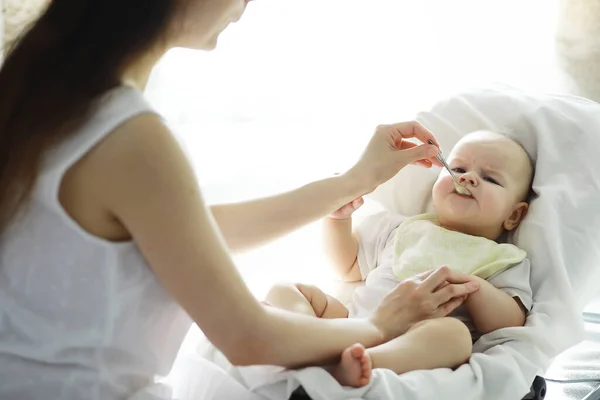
x=462, y=234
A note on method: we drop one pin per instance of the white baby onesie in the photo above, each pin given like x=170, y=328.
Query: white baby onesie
x=377, y=239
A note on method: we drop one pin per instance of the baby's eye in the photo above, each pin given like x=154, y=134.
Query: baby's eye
x=490, y=180
x=459, y=170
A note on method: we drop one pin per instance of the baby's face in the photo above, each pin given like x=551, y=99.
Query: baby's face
x=497, y=172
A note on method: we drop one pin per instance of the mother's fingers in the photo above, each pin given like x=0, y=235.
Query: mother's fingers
x=425, y=162
x=424, y=275
x=405, y=145
x=455, y=277
x=448, y=307
x=414, y=129
x=436, y=278
x=423, y=134
x=443, y=285
x=454, y=291
x=444, y=274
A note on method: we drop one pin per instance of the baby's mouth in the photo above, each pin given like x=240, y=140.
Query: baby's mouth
x=463, y=195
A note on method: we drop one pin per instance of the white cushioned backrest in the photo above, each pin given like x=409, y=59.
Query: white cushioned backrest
x=561, y=232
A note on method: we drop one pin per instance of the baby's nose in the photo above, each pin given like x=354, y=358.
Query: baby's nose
x=468, y=178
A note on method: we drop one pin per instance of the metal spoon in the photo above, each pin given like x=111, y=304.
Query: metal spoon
x=457, y=186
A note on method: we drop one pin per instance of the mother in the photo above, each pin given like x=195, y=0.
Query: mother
x=108, y=252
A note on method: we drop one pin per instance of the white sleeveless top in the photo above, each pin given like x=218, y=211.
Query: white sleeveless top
x=81, y=317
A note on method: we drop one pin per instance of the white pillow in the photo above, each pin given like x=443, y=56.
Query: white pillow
x=561, y=232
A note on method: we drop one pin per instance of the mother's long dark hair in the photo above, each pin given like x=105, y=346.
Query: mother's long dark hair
x=77, y=50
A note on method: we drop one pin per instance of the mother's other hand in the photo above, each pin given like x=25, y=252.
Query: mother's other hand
x=421, y=297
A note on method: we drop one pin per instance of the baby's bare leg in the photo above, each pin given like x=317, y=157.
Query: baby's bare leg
x=435, y=343
x=305, y=299
x=354, y=367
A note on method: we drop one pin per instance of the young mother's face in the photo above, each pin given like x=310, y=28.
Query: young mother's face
x=198, y=23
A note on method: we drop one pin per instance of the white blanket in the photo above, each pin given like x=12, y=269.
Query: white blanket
x=575, y=373
x=503, y=368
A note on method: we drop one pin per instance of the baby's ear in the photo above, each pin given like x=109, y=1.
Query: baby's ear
x=514, y=219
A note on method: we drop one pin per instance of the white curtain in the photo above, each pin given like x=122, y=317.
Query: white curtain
x=295, y=89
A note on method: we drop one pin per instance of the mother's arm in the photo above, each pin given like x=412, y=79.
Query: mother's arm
x=253, y=223
x=248, y=224
x=149, y=187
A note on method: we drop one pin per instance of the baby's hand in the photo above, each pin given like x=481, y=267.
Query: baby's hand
x=346, y=210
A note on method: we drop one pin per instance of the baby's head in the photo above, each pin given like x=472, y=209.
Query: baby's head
x=498, y=173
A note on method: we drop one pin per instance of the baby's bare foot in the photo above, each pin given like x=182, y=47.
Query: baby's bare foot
x=354, y=368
